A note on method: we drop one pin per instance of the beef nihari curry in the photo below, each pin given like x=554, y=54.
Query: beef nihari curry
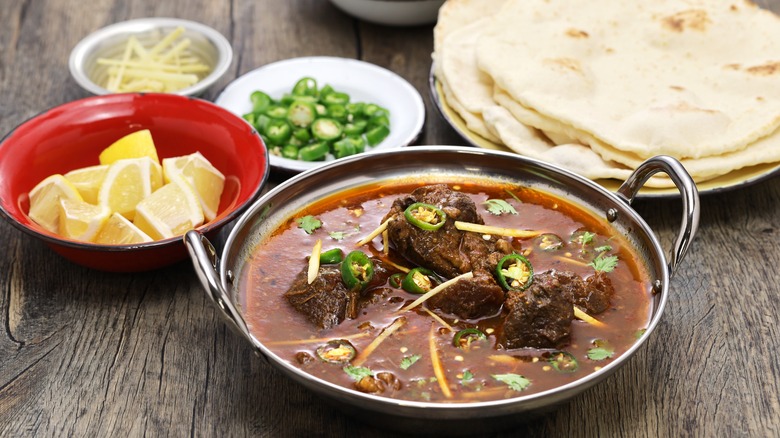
x=457, y=292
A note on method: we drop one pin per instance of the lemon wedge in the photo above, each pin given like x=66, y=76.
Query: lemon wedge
x=206, y=181
x=127, y=182
x=119, y=231
x=81, y=220
x=169, y=212
x=88, y=180
x=45, y=201
x=135, y=145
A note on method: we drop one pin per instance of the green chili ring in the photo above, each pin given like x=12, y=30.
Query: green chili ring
x=357, y=270
x=425, y=216
x=305, y=86
x=332, y=256
x=563, y=362
x=396, y=279
x=510, y=278
x=467, y=335
x=411, y=284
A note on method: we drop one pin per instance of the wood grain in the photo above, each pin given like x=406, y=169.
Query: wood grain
x=87, y=353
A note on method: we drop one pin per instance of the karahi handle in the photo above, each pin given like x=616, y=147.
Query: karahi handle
x=206, y=261
x=688, y=192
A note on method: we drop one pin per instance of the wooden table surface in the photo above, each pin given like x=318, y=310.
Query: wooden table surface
x=89, y=353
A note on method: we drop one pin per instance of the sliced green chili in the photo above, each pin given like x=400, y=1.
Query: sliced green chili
x=378, y=121
x=326, y=129
x=327, y=89
x=314, y=151
x=376, y=135
x=465, y=337
x=301, y=114
x=338, y=112
x=290, y=151
x=332, y=256
x=305, y=87
x=343, y=148
x=336, y=97
x=514, y=272
x=278, y=132
x=336, y=351
x=372, y=109
x=355, y=128
x=563, y=362
x=302, y=134
x=260, y=102
x=277, y=112
x=357, y=270
x=419, y=281
x=317, y=116
x=396, y=279
x=261, y=122
x=425, y=216
x=355, y=108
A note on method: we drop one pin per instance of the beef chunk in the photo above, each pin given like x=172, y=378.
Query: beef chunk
x=470, y=298
x=541, y=316
x=324, y=301
x=595, y=295
x=447, y=251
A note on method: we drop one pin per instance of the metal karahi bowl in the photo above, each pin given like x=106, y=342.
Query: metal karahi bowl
x=220, y=273
x=109, y=41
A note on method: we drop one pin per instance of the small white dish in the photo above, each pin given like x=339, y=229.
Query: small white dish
x=364, y=82
x=392, y=12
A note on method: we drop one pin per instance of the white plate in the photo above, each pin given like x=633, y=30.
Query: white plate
x=363, y=82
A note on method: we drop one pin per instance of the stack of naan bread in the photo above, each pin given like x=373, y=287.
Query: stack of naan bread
x=598, y=86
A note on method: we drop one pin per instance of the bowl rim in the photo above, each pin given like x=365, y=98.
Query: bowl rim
x=207, y=228
x=139, y=25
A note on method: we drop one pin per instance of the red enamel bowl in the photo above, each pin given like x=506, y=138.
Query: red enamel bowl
x=72, y=135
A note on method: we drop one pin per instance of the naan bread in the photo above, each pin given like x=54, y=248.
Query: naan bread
x=687, y=78
x=572, y=156
x=765, y=150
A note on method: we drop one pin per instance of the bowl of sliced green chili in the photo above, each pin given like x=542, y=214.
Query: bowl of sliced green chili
x=318, y=109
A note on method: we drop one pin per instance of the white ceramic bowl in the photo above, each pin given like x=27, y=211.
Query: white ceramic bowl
x=392, y=12
x=363, y=81
x=207, y=43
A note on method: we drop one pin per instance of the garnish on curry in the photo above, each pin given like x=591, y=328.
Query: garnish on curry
x=457, y=292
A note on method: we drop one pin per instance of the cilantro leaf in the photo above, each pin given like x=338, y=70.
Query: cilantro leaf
x=357, y=373
x=586, y=237
x=514, y=381
x=604, y=248
x=604, y=264
x=337, y=235
x=601, y=350
x=408, y=361
x=499, y=207
x=467, y=376
x=308, y=223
